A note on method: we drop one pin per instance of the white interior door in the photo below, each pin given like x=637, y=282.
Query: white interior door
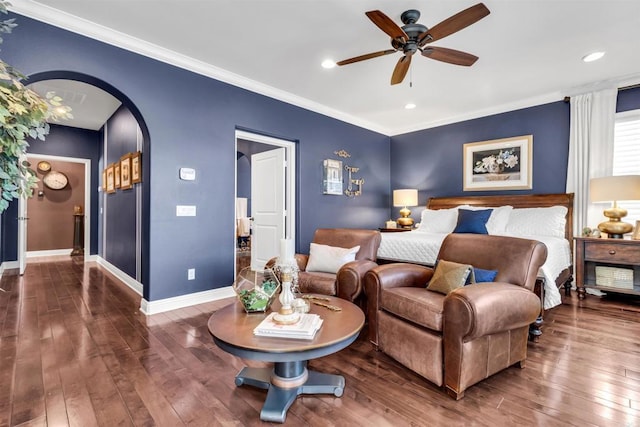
x=22, y=234
x=267, y=205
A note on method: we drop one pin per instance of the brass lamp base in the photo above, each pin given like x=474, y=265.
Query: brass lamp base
x=405, y=221
x=615, y=228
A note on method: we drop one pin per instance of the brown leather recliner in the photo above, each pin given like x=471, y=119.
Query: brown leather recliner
x=459, y=339
x=347, y=283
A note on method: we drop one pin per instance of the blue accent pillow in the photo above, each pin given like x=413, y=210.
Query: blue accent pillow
x=474, y=222
x=482, y=275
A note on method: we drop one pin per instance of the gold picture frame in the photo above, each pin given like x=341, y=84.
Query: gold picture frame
x=125, y=172
x=116, y=174
x=136, y=167
x=104, y=180
x=111, y=183
x=499, y=164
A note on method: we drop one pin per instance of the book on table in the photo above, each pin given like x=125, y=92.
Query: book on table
x=305, y=328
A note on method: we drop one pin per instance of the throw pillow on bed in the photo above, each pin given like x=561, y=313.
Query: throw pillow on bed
x=329, y=259
x=449, y=276
x=438, y=220
x=497, y=223
x=472, y=221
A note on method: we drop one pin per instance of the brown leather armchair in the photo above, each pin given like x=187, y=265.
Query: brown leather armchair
x=461, y=338
x=347, y=283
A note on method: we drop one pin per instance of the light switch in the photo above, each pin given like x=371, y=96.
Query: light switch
x=187, y=174
x=185, y=210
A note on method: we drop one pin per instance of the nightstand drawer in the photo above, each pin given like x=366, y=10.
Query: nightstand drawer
x=611, y=252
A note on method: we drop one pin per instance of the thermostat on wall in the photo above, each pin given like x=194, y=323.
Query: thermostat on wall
x=187, y=174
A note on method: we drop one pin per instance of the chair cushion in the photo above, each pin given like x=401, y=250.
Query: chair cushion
x=414, y=304
x=317, y=283
x=329, y=259
x=472, y=221
x=449, y=276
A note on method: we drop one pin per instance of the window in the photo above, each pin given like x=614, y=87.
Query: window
x=626, y=155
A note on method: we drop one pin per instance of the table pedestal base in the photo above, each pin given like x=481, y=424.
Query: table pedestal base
x=288, y=376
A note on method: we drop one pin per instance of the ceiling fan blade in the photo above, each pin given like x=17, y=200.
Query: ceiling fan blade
x=387, y=25
x=367, y=56
x=450, y=55
x=454, y=24
x=401, y=70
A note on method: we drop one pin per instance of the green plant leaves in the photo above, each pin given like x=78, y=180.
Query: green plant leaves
x=23, y=114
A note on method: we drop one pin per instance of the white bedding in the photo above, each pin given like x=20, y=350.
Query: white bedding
x=422, y=248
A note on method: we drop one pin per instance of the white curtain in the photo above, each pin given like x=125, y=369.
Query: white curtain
x=590, y=152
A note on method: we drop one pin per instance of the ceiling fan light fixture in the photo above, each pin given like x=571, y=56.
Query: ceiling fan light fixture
x=328, y=64
x=593, y=56
x=410, y=106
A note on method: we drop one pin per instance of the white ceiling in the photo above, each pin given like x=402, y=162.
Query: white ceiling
x=90, y=106
x=530, y=51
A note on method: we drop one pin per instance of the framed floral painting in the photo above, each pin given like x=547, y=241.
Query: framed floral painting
x=499, y=164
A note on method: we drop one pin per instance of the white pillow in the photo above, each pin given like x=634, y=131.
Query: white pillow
x=497, y=223
x=438, y=220
x=549, y=221
x=329, y=259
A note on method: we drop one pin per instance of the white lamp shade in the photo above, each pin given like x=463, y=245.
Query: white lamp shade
x=405, y=197
x=614, y=188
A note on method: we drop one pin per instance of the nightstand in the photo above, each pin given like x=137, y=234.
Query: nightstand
x=610, y=265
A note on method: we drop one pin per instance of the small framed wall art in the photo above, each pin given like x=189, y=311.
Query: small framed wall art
x=125, y=172
x=111, y=182
x=332, y=177
x=136, y=167
x=499, y=164
x=116, y=174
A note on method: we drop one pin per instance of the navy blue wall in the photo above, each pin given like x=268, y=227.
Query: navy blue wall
x=78, y=143
x=628, y=100
x=120, y=207
x=191, y=121
x=431, y=160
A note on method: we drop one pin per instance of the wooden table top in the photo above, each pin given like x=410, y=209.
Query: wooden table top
x=233, y=326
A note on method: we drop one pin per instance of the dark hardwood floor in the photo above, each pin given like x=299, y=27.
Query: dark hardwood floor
x=74, y=350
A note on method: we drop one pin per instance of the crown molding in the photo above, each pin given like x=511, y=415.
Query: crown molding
x=498, y=109
x=66, y=21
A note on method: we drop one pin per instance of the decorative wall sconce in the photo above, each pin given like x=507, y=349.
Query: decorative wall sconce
x=350, y=192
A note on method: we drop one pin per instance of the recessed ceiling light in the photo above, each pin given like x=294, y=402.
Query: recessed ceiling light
x=410, y=106
x=328, y=63
x=594, y=56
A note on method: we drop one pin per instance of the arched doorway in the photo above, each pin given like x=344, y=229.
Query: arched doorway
x=109, y=243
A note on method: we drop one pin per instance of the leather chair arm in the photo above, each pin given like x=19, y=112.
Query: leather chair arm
x=271, y=263
x=390, y=276
x=484, y=309
x=301, y=260
x=349, y=278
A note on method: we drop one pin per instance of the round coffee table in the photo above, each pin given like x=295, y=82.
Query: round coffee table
x=232, y=330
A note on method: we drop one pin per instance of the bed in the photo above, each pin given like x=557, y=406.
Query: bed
x=518, y=216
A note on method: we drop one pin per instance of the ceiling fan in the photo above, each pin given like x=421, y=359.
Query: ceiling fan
x=413, y=37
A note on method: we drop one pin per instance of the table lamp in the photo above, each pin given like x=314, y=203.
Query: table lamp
x=614, y=189
x=405, y=197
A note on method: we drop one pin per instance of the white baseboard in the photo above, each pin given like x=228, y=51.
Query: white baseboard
x=173, y=303
x=51, y=252
x=12, y=266
x=121, y=275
